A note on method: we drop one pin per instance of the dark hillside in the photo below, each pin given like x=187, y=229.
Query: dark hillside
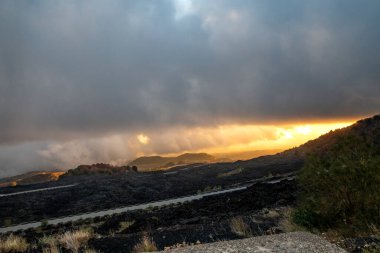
x=367, y=130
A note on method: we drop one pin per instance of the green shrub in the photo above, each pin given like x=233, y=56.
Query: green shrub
x=340, y=188
x=305, y=218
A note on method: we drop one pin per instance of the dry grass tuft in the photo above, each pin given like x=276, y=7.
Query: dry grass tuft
x=230, y=173
x=270, y=213
x=90, y=251
x=240, y=227
x=74, y=240
x=13, y=243
x=375, y=230
x=51, y=249
x=145, y=245
x=50, y=242
x=125, y=225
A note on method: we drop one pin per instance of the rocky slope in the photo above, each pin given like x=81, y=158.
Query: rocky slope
x=297, y=242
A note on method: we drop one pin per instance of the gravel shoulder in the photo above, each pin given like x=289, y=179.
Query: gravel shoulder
x=288, y=242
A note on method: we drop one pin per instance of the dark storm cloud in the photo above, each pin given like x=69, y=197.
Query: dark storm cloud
x=69, y=67
x=78, y=69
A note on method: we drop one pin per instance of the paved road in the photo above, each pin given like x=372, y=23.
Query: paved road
x=37, y=190
x=296, y=242
x=128, y=208
x=118, y=210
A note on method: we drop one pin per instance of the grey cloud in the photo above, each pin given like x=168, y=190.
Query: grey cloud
x=73, y=69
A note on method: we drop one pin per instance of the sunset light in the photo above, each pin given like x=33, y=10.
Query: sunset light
x=143, y=139
x=257, y=137
x=189, y=126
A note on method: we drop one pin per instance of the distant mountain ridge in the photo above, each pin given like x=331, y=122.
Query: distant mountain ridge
x=161, y=162
x=367, y=129
x=245, y=155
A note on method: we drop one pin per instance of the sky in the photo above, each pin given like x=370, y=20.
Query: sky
x=106, y=81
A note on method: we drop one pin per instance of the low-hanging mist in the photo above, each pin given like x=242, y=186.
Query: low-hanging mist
x=118, y=149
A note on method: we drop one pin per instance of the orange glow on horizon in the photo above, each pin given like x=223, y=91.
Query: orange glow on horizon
x=240, y=138
x=285, y=136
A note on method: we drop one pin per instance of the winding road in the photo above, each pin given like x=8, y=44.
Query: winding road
x=160, y=203
x=115, y=210
x=38, y=190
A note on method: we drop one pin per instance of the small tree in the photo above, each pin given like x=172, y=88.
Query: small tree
x=341, y=187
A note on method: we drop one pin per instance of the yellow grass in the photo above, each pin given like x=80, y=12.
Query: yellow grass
x=89, y=251
x=230, y=173
x=74, y=240
x=13, y=243
x=51, y=249
x=239, y=227
x=145, y=245
x=124, y=225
